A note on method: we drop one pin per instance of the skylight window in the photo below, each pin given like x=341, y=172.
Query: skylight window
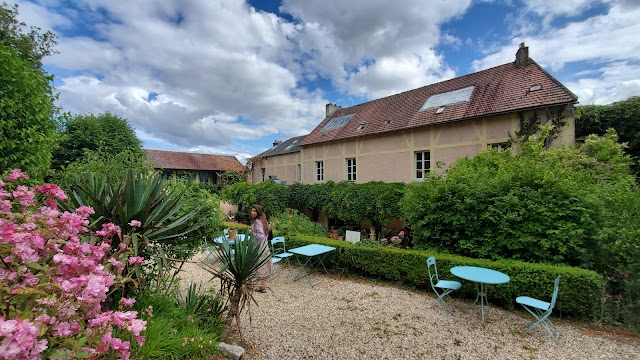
x=448, y=98
x=440, y=110
x=535, y=88
x=362, y=126
x=337, y=122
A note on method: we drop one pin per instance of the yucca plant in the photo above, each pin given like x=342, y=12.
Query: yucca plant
x=139, y=197
x=237, y=268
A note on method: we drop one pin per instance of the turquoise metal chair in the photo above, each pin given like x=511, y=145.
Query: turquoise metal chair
x=445, y=286
x=279, y=249
x=541, y=311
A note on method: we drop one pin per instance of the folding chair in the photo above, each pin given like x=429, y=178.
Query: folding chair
x=541, y=311
x=446, y=286
x=279, y=249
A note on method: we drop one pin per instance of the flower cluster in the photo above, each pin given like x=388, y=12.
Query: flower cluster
x=55, y=283
x=395, y=240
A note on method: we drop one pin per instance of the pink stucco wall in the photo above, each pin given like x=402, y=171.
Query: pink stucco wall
x=390, y=157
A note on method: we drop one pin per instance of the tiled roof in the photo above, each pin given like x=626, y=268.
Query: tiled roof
x=504, y=88
x=162, y=159
x=286, y=147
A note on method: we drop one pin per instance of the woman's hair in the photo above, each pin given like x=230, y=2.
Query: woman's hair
x=262, y=217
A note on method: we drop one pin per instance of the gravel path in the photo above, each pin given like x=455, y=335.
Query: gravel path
x=343, y=318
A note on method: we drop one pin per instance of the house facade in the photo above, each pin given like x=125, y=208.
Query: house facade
x=404, y=136
x=205, y=168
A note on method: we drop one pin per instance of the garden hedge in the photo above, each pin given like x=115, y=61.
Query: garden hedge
x=578, y=297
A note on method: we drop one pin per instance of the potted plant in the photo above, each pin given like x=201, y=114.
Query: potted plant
x=340, y=233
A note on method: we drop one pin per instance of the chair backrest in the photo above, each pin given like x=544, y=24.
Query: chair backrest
x=431, y=261
x=554, y=297
x=278, y=245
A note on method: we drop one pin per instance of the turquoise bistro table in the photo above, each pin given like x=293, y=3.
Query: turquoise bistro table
x=481, y=276
x=314, y=252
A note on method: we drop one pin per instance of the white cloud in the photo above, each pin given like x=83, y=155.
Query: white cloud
x=357, y=43
x=391, y=75
x=219, y=70
x=609, y=84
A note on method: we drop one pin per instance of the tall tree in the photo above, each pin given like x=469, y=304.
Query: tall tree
x=106, y=133
x=27, y=110
x=31, y=45
x=623, y=116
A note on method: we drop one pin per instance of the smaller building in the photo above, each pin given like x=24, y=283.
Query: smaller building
x=205, y=168
x=281, y=163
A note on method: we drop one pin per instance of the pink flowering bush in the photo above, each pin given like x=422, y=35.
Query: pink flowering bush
x=53, y=283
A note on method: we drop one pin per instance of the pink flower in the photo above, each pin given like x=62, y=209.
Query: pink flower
x=84, y=212
x=127, y=301
x=135, y=224
x=136, y=260
x=52, y=191
x=137, y=326
x=108, y=229
x=16, y=174
x=116, y=263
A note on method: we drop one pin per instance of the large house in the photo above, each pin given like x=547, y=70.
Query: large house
x=401, y=137
x=206, y=168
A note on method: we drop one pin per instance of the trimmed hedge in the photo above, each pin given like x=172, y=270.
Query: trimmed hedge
x=578, y=297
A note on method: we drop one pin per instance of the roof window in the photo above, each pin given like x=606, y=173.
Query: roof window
x=387, y=122
x=440, y=110
x=337, y=122
x=361, y=126
x=448, y=98
x=535, y=88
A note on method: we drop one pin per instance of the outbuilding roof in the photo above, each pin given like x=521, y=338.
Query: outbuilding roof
x=163, y=159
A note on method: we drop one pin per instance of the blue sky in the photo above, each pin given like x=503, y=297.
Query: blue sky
x=230, y=76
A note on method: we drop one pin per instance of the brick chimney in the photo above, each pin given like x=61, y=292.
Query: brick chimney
x=277, y=142
x=522, y=56
x=331, y=108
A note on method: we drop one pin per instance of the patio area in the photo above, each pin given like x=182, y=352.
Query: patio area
x=345, y=318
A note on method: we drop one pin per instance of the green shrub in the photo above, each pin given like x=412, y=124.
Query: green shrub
x=173, y=332
x=579, y=294
x=290, y=222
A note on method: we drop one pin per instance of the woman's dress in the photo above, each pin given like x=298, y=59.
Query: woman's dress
x=260, y=235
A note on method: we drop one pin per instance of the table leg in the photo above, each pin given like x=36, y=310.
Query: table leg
x=303, y=270
x=483, y=298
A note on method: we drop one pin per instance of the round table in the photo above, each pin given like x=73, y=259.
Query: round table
x=481, y=276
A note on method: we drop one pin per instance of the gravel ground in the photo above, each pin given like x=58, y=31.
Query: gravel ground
x=344, y=318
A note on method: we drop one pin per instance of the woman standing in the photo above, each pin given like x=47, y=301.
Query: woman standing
x=260, y=230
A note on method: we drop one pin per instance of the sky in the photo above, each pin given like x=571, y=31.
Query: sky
x=231, y=76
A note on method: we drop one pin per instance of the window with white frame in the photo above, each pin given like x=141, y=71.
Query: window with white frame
x=351, y=169
x=500, y=146
x=320, y=171
x=423, y=164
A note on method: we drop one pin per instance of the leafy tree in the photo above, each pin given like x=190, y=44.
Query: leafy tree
x=623, y=116
x=27, y=110
x=107, y=133
x=30, y=45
